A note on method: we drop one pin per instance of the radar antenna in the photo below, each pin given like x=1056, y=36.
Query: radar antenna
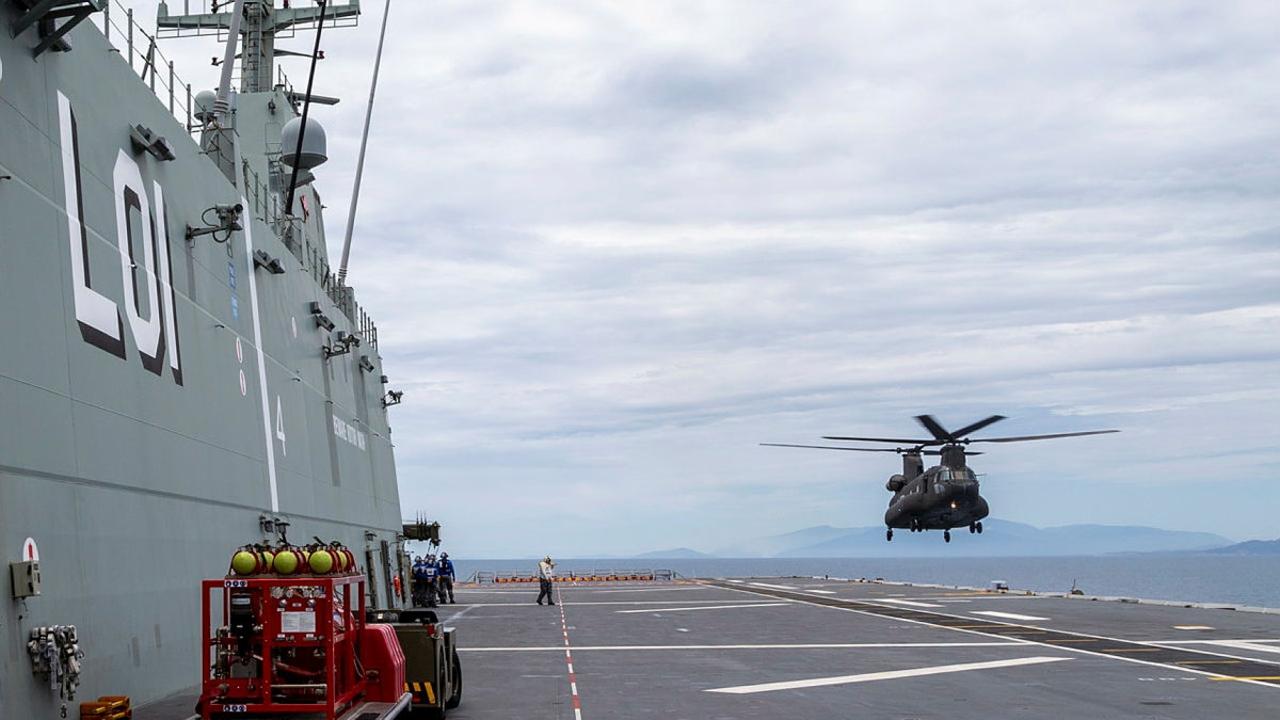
x=261, y=23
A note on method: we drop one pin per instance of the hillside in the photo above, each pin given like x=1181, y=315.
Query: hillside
x=1251, y=547
x=682, y=553
x=1001, y=538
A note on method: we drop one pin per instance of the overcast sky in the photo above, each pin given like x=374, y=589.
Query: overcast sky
x=612, y=246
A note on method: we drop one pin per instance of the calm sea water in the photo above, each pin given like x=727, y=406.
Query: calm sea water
x=1193, y=578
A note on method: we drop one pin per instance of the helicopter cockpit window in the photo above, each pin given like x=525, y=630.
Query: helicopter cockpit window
x=959, y=475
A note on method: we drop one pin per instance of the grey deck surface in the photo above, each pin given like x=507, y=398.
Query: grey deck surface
x=1091, y=659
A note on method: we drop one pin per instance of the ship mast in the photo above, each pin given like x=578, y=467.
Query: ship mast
x=259, y=25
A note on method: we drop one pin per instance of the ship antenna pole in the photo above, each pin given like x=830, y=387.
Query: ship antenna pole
x=306, y=108
x=222, y=105
x=364, y=144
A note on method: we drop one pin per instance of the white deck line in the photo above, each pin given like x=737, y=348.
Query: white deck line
x=911, y=603
x=610, y=602
x=1080, y=651
x=702, y=607
x=774, y=587
x=1214, y=642
x=887, y=675
x=1020, y=592
x=779, y=646
x=1005, y=615
x=650, y=589
x=1245, y=645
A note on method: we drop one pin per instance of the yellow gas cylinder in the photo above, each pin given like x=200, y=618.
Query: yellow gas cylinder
x=244, y=562
x=286, y=561
x=321, y=562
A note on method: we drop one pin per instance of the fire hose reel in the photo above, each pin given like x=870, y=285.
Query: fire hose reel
x=55, y=657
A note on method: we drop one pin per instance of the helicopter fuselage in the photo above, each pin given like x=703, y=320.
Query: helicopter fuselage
x=944, y=496
x=939, y=498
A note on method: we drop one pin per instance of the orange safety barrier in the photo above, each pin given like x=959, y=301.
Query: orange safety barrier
x=107, y=707
x=613, y=577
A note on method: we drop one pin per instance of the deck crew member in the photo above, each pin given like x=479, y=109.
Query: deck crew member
x=431, y=572
x=546, y=573
x=418, y=582
x=446, y=579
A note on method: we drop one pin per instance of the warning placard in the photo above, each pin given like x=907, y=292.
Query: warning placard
x=298, y=622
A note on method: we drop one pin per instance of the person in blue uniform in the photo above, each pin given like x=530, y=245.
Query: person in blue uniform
x=431, y=576
x=418, y=578
x=446, y=579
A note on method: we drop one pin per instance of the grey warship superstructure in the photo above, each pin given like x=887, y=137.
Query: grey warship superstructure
x=182, y=371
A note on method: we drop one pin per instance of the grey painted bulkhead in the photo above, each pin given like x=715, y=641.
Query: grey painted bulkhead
x=134, y=486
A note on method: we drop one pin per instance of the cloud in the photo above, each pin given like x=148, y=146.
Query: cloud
x=611, y=247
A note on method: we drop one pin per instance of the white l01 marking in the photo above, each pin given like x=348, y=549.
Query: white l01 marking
x=1008, y=616
x=888, y=675
x=701, y=607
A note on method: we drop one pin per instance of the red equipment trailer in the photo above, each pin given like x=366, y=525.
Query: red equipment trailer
x=283, y=647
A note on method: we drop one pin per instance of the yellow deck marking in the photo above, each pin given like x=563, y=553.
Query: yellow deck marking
x=1246, y=677
x=1207, y=662
x=1129, y=650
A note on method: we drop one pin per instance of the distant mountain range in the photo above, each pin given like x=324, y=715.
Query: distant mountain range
x=1251, y=547
x=1001, y=538
x=682, y=553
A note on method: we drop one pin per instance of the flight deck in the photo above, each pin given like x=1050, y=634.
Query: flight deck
x=814, y=648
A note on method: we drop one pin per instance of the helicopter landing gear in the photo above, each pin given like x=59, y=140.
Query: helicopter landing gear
x=888, y=535
x=973, y=528
x=979, y=526
x=915, y=524
x=946, y=535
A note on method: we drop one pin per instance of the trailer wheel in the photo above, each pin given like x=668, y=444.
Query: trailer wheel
x=456, y=697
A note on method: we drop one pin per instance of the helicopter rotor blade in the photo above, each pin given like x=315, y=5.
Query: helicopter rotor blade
x=896, y=441
x=1023, y=438
x=975, y=427
x=832, y=447
x=934, y=427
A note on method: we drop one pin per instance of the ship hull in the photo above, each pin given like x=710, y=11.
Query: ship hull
x=161, y=397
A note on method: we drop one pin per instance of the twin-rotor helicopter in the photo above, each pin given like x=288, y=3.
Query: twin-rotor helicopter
x=944, y=496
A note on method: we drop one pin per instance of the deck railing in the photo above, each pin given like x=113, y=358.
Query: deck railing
x=139, y=48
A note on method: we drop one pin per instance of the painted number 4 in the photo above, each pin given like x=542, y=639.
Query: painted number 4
x=280, y=427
